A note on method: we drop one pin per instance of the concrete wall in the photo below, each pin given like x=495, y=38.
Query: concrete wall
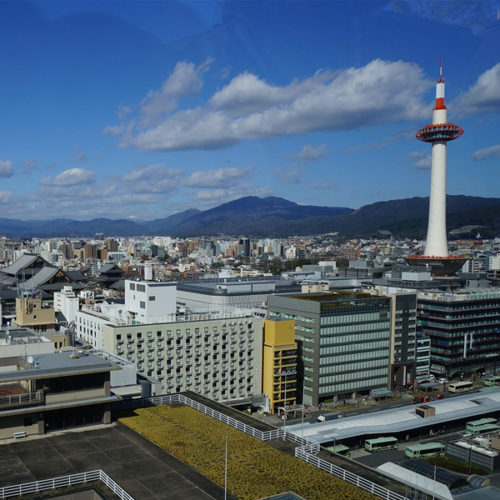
x=9, y=425
x=75, y=395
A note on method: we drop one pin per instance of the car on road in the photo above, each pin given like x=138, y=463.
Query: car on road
x=443, y=380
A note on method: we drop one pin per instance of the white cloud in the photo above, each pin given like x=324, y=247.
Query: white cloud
x=151, y=179
x=487, y=153
x=483, y=96
x=6, y=169
x=71, y=177
x=311, y=153
x=6, y=196
x=214, y=197
x=220, y=177
x=184, y=80
x=250, y=108
x=421, y=160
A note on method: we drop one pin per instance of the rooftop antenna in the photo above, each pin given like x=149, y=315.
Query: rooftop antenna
x=441, y=79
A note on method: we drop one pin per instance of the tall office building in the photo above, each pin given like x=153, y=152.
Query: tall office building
x=403, y=338
x=343, y=342
x=463, y=328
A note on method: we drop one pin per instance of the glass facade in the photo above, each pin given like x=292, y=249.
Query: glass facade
x=343, y=339
x=464, y=330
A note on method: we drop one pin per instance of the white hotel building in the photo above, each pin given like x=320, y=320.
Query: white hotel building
x=216, y=355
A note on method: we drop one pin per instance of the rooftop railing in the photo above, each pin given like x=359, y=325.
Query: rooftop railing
x=14, y=400
x=54, y=483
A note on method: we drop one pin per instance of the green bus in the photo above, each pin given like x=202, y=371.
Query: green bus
x=492, y=380
x=341, y=449
x=475, y=425
x=381, y=443
x=425, y=450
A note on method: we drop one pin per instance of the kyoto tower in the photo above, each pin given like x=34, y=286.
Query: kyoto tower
x=438, y=134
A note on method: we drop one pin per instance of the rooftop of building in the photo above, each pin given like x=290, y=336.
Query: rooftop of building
x=116, y=314
x=338, y=296
x=137, y=465
x=395, y=420
x=9, y=336
x=462, y=295
x=23, y=262
x=57, y=364
x=229, y=286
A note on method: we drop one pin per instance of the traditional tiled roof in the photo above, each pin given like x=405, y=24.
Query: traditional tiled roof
x=23, y=262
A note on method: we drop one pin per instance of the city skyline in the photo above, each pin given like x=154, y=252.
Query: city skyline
x=142, y=110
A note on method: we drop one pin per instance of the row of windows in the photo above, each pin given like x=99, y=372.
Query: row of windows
x=138, y=287
x=361, y=327
x=361, y=337
x=300, y=338
x=361, y=365
x=381, y=344
x=347, y=358
x=343, y=377
x=305, y=329
x=296, y=317
x=359, y=384
x=349, y=318
x=168, y=333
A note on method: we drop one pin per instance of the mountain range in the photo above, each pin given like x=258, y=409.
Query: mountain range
x=277, y=217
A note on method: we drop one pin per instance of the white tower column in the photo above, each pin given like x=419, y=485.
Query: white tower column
x=437, y=242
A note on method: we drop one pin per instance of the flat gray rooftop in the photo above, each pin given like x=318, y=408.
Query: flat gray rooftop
x=59, y=363
x=20, y=336
x=385, y=422
x=138, y=466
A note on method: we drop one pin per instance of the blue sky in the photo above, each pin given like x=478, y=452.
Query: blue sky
x=144, y=109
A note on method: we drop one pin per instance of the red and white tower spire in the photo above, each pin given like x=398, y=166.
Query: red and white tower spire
x=438, y=133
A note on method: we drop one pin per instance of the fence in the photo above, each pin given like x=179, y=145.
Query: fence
x=64, y=482
x=306, y=451
x=21, y=399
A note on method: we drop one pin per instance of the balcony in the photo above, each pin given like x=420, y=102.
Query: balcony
x=11, y=401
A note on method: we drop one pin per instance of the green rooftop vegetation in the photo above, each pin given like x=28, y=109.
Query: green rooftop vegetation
x=255, y=469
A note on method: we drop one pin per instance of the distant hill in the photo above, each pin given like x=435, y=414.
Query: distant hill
x=255, y=216
x=272, y=216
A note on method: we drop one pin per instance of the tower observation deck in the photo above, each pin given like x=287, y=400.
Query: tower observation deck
x=438, y=133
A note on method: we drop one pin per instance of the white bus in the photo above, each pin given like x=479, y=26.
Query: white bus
x=466, y=385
